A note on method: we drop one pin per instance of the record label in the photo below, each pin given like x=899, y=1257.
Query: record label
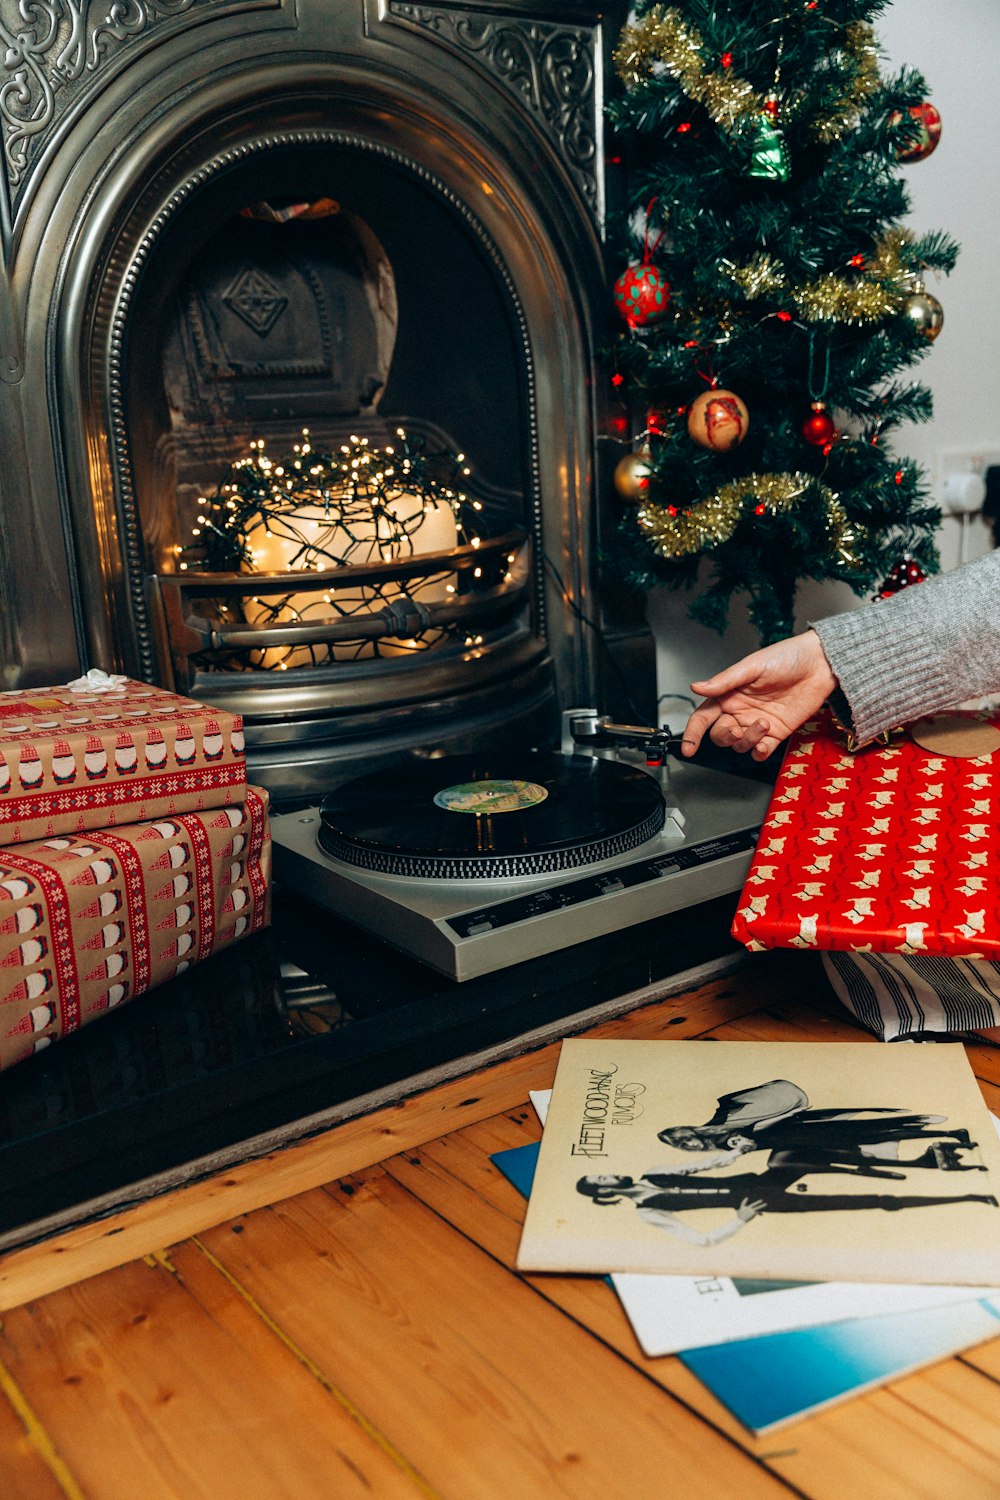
x=533, y=812
x=484, y=798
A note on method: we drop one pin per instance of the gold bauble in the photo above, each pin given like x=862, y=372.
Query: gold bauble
x=632, y=475
x=925, y=314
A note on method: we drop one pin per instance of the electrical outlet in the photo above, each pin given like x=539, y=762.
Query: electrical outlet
x=962, y=494
x=959, y=479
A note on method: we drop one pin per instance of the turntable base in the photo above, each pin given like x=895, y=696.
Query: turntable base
x=466, y=928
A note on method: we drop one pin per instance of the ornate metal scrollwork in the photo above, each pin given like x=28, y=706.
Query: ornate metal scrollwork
x=550, y=68
x=55, y=45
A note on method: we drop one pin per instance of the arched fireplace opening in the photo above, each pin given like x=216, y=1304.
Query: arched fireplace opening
x=327, y=288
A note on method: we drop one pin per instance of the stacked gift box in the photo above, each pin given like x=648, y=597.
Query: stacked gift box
x=131, y=847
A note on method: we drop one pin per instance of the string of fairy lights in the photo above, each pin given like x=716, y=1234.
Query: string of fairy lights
x=354, y=489
x=353, y=505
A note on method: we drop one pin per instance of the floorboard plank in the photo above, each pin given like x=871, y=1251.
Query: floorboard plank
x=501, y=1394
x=31, y=1465
x=157, y=1380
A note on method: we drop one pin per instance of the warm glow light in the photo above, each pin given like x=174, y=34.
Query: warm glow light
x=359, y=504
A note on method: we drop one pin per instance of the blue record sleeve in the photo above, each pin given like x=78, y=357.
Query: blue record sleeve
x=768, y=1381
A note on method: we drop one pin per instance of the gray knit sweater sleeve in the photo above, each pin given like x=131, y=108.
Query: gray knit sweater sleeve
x=926, y=648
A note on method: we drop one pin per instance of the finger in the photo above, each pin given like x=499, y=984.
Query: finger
x=725, y=732
x=765, y=747
x=753, y=734
x=736, y=676
x=701, y=720
x=729, y=733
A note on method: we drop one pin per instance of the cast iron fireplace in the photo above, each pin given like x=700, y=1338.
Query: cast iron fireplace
x=152, y=330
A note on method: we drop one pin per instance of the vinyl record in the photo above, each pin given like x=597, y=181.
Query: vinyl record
x=490, y=816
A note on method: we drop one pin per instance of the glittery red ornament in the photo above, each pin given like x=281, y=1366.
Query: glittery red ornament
x=900, y=576
x=718, y=420
x=818, y=428
x=642, y=295
x=929, y=120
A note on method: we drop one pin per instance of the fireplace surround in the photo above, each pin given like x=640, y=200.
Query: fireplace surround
x=467, y=140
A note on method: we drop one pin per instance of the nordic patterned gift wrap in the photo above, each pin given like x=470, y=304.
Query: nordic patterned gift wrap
x=89, y=921
x=894, y=849
x=72, y=759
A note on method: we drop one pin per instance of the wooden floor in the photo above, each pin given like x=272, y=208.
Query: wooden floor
x=341, y=1320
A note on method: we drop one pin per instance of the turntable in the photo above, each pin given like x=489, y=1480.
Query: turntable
x=473, y=863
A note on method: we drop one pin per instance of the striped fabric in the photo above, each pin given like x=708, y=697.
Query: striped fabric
x=900, y=997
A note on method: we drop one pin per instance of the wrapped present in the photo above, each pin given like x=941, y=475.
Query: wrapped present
x=89, y=921
x=106, y=750
x=894, y=849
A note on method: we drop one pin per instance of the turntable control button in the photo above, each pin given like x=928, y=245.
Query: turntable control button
x=479, y=924
x=611, y=883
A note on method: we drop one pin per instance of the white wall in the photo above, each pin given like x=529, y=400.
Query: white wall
x=956, y=47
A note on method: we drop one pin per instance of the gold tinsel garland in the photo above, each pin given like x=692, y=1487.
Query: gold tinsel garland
x=701, y=527
x=878, y=293
x=664, y=39
x=861, y=51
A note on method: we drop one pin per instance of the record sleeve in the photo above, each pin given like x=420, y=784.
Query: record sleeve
x=799, y=1161
x=673, y=1313
x=778, y=1378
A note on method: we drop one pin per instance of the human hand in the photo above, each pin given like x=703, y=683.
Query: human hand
x=759, y=701
x=750, y=1208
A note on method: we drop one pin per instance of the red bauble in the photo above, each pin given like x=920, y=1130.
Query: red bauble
x=929, y=120
x=818, y=427
x=718, y=420
x=900, y=576
x=642, y=295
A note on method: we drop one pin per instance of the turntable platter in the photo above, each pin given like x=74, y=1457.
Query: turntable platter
x=491, y=816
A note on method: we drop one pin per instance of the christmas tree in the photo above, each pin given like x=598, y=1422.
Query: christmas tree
x=770, y=297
